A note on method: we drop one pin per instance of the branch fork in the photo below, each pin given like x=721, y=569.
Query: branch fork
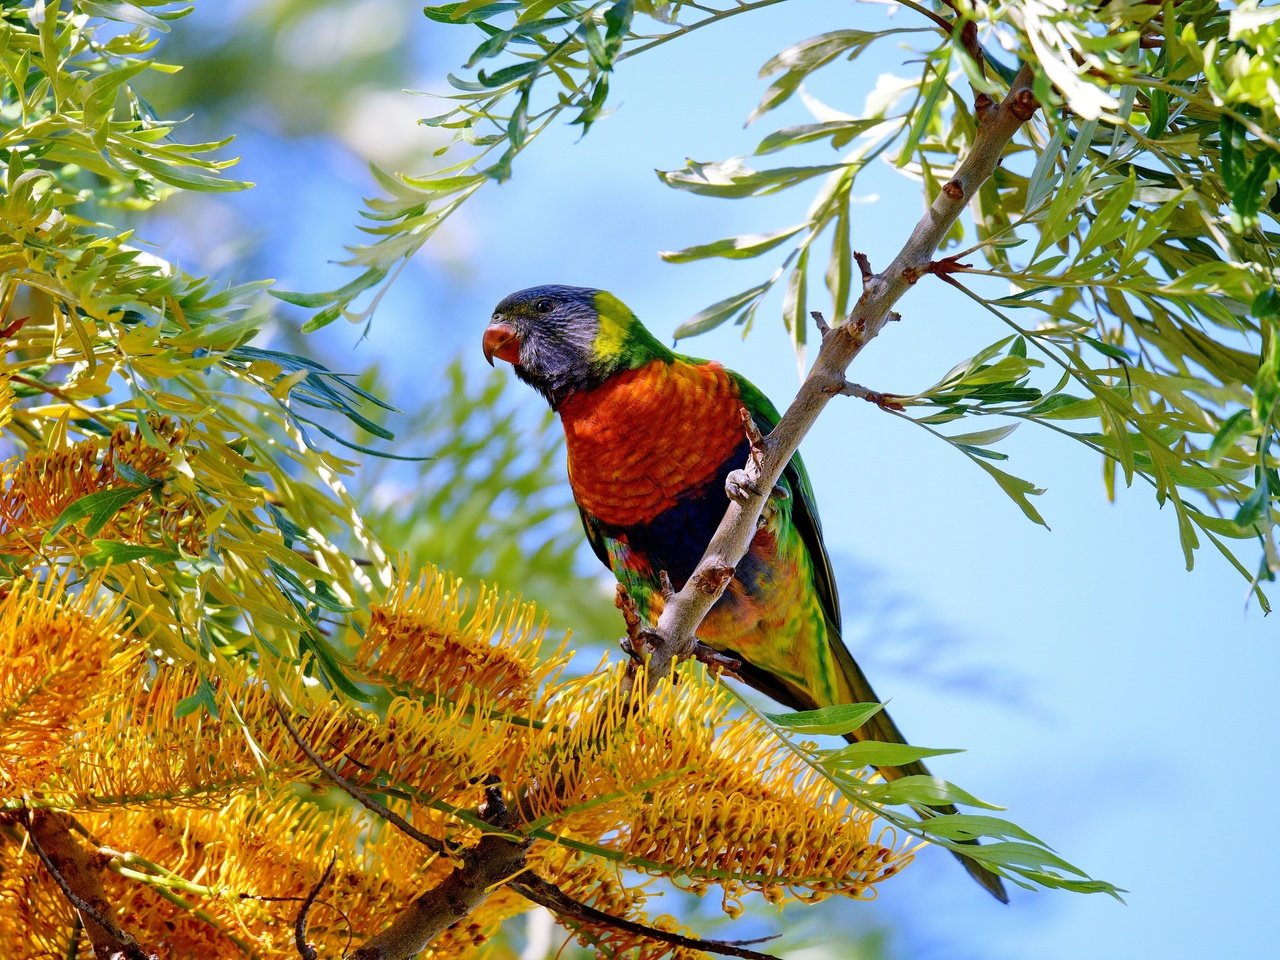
x=499, y=858
x=885, y=401
x=683, y=613
x=947, y=265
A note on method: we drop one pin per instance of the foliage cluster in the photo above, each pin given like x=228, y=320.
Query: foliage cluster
x=1132, y=225
x=212, y=837
x=186, y=576
x=182, y=574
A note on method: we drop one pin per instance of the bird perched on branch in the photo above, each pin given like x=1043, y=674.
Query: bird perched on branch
x=652, y=437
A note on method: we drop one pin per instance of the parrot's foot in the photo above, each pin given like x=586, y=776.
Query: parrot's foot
x=629, y=648
x=739, y=488
x=717, y=661
x=638, y=646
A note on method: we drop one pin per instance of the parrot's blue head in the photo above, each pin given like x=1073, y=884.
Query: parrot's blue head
x=562, y=339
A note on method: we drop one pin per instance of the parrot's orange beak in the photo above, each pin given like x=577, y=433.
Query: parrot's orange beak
x=501, y=341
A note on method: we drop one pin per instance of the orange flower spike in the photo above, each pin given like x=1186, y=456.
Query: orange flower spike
x=428, y=638
x=54, y=647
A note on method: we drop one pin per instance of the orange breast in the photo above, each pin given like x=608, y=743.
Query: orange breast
x=640, y=440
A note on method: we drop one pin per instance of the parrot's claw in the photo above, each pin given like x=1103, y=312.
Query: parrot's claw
x=739, y=488
x=716, y=660
x=777, y=495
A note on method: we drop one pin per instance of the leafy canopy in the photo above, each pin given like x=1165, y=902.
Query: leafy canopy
x=173, y=507
x=1133, y=220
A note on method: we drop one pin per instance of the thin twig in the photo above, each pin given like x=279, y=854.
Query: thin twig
x=557, y=901
x=433, y=844
x=885, y=401
x=684, y=612
x=305, y=950
x=969, y=39
x=864, y=267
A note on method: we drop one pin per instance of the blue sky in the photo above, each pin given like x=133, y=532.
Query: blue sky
x=1117, y=705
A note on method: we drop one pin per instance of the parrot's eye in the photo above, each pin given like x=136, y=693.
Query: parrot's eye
x=543, y=306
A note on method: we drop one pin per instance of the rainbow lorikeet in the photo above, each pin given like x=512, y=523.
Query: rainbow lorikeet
x=651, y=437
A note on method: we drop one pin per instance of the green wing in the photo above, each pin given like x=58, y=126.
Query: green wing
x=595, y=537
x=804, y=510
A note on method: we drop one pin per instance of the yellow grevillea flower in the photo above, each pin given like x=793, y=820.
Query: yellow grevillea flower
x=227, y=882
x=143, y=750
x=54, y=648
x=35, y=490
x=429, y=637
x=680, y=786
x=201, y=819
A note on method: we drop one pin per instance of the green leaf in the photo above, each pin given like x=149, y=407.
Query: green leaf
x=1267, y=303
x=719, y=312
x=1017, y=489
x=926, y=112
x=732, y=178
x=1158, y=114
x=874, y=753
x=1255, y=505
x=113, y=551
x=1232, y=429
x=1107, y=349
x=733, y=248
x=123, y=12
x=100, y=93
x=1063, y=406
x=314, y=645
x=181, y=175
x=982, y=438
x=205, y=696
x=468, y=12
x=800, y=59
x=840, y=132
x=974, y=826
x=517, y=71
x=921, y=790
x=840, y=719
x=98, y=507
x=1013, y=853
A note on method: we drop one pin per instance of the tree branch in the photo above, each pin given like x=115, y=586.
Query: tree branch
x=493, y=861
x=305, y=950
x=70, y=865
x=683, y=613
x=557, y=901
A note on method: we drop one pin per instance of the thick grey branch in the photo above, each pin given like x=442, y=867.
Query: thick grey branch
x=681, y=616
x=493, y=861
x=71, y=867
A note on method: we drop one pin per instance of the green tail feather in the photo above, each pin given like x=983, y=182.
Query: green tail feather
x=882, y=728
